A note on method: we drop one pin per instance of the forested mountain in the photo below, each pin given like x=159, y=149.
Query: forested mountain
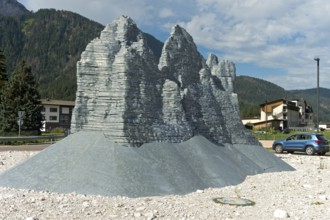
x=51, y=42
x=311, y=96
x=252, y=92
x=12, y=7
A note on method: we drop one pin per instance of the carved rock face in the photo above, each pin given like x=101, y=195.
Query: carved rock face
x=125, y=93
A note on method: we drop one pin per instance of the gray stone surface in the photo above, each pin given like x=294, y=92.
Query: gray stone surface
x=118, y=85
x=125, y=92
x=89, y=163
x=181, y=112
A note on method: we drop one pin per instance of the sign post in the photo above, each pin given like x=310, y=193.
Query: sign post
x=20, y=122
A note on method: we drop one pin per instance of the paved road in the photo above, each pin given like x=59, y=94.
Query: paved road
x=39, y=147
x=35, y=147
x=266, y=144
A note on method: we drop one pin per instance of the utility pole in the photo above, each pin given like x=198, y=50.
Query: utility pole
x=317, y=91
x=266, y=114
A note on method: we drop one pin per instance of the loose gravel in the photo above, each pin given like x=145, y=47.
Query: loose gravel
x=300, y=194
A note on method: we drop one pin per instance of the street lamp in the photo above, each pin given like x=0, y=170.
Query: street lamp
x=317, y=91
x=266, y=115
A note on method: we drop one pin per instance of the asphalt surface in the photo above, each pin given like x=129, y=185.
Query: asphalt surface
x=32, y=147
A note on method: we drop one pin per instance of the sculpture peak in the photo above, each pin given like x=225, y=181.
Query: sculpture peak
x=124, y=91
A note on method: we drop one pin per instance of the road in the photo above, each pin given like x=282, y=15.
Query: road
x=39, y=147
x=28, y=147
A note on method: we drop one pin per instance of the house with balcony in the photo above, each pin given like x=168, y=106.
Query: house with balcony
x=306, y=114
x=324, y=125
x=56, y=114
x=282, y=113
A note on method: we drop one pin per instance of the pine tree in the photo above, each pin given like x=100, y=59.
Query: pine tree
x=20, y=94
x=3, y=74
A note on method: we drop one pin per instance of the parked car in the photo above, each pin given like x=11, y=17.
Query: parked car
x=310, y=143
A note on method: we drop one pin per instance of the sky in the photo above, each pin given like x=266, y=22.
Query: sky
x=274, y=40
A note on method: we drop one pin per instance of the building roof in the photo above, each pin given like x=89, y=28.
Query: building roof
x=290, y=105
x=268, y=121
x=57, y=102
x=283, y=101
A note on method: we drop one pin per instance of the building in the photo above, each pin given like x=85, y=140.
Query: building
x=325, y=126
x=306, y=114
x=57, y=114
x=282, y=113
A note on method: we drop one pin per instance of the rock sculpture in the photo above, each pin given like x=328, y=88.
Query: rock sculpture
x=128, y=95
x=125, y=92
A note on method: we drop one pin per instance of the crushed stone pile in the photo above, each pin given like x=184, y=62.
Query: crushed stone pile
x=89, y=163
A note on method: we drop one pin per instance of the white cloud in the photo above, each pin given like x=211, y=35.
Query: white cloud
x=166, y=12
x=103, y=11
x=273, y=34
x=266, y=33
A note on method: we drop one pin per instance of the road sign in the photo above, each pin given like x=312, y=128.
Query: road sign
x=20, y=114
x=19, y=122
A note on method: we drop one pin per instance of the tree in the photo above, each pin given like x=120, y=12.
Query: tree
x=20, y=94
x=3, y=74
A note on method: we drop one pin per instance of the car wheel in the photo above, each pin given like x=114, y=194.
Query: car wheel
x=310, y=150
x=278, y=149
x=290, y=151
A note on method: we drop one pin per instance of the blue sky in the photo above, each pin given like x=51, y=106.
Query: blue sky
x=273, y=40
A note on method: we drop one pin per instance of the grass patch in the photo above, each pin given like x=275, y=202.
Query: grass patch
x=275, y=135
x=317, y=203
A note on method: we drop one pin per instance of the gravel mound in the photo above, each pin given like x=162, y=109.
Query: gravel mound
x=89, y=163
x=303, y=194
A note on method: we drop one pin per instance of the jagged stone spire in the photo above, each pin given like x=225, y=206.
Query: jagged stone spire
x=224, y=70
x=117, y=79
x=180, y=47
x=124, y=92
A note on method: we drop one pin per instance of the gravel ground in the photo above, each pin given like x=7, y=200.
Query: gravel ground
x=301, y=194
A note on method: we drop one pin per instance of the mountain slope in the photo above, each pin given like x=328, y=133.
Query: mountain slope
x=310, y=95
x=12, y=8
x=51, y=42
x=252, y=92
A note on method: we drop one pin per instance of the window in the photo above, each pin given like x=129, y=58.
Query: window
x=53, y=109
x=43, y=109
x=65, y=119
x=52, y=118
x=65, y=110
x=293, y=137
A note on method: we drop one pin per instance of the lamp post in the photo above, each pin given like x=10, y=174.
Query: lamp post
x=266, y=115
x=317, y=91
